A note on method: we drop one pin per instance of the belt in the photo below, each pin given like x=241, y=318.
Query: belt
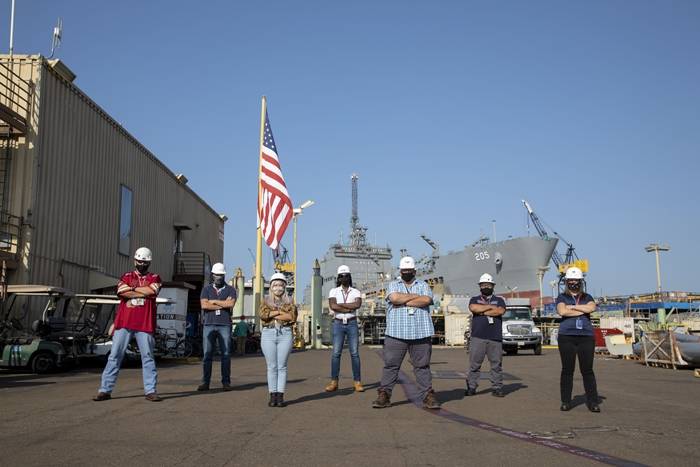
x=272, y=325
x=346, y=319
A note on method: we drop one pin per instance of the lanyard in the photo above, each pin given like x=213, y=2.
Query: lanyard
x=577, y=299
x=345, y=295
x=408, y=290
x=488, y=302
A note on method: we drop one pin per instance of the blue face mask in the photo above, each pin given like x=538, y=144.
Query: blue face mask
x=219, y=281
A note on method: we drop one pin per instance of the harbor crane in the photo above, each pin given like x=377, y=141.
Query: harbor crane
x=570, y=258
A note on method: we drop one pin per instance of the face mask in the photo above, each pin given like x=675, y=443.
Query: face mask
x=142, y=268
x=278, y=289
x=408, y=276
x=574, y=286
x=344, y=280
x=219, y=281
x=486, y=291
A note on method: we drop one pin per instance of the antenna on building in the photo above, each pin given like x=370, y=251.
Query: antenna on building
x=56, y=37
x=12, y=27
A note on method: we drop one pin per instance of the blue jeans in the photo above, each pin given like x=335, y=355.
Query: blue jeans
x=211, y=333
x=120, y=341
x=340, y=330
x=276, y=346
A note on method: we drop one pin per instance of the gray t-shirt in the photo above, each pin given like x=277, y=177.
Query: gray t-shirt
x=211, y=293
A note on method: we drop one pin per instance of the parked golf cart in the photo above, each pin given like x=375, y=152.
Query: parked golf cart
x=32, y=327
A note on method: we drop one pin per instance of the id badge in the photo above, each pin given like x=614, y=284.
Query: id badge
x=490, y=319
x=218, y=312
x=411, y=311
x=137, y=301
x=579, y=323
x=345, y=320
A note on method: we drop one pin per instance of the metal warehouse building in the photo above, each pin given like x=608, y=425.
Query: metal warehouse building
x=78, y=193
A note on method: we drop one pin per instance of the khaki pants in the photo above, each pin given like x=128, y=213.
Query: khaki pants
x=240, y=344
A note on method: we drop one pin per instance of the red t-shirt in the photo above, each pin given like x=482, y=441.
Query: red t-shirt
x=137, y=314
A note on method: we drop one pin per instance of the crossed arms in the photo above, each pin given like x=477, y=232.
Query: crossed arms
x=566, y=311
x=486, y=310
x=344, y=307
x=409, y=299
x=213, y=305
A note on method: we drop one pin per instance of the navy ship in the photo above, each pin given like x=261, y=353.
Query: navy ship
x=516, y=264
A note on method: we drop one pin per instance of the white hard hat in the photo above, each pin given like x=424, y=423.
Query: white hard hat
x=573, y=273
x=486, y=278
x=143, y=254
x=278, y=276
x=407, y=262
x=343, y=270
x=218, y=269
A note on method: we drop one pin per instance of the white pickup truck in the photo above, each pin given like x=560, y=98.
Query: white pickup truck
x=519, y=330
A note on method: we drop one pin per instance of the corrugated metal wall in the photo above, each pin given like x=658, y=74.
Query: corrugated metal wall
x=83, y=158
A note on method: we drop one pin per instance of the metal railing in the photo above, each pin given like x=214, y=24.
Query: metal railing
x=191, y=263
x=15, y=98
x=10, y=234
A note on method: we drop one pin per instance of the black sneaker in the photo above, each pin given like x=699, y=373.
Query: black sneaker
x=203, y=387
x=565, y=407
x=593, y=407
x=227, y=387
x=470, y=392
x=498, y=393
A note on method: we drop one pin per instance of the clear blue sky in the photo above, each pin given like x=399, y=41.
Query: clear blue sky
x=450, y=112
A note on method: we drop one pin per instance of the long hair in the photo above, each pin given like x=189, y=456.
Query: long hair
x=337, y=280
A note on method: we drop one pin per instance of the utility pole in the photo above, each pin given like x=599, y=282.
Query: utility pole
x=655, y=247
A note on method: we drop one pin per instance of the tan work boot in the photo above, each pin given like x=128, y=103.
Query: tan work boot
x=358, y=386
x=332, y=386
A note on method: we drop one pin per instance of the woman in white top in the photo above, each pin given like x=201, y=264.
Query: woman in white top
x=344, y=300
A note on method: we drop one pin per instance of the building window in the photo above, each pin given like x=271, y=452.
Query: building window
x=125, y=211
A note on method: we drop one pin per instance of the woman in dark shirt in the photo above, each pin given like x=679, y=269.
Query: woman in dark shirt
x=576, y=338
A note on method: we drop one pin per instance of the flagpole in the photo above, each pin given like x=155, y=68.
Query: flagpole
x=258, y=284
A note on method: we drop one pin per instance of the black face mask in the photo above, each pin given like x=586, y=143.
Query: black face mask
x=408, y=276
x=142, y=268
x=344, y=280
x=486, y=291
x=574, y=286
x=219, y=281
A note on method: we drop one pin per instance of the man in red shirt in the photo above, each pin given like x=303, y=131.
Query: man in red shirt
x=136, y=317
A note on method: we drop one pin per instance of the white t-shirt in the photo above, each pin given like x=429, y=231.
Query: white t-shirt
x=341, y=296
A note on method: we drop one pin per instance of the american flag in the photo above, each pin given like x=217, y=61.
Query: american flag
x=274, y=205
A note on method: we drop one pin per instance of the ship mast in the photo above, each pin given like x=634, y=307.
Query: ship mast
x=358, y=233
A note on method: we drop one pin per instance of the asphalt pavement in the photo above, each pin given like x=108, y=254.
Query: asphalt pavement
x=650, y=416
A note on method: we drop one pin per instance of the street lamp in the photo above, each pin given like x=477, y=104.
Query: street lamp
x=655, y=247
x=297, y=212
x=540, y=275
x=512, y=290
x=553, y=285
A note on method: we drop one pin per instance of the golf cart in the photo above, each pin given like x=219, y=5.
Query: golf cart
x=33, y=327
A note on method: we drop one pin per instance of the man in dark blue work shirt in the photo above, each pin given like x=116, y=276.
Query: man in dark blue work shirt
x=217, y=300
x=486, y=336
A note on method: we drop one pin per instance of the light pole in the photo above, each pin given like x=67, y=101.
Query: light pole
x=655, y=247
x=540, y=275
x=553, y=284
x=297, y=212
x=511, y=290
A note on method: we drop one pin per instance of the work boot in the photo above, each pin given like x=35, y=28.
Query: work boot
x=203, y=387
x=383, y=400
x=102, y=396
x=470, y=392
x=498, y=392
x=280, y=400
x=153, y=397
x=358, y=386
x=227, y=387
x=273, y=400
x=430, y=402
x=332, y=386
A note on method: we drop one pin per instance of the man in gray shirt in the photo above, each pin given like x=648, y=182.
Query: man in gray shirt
x=217, y=300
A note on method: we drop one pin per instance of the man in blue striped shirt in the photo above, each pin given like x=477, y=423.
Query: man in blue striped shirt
x=409, y=328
